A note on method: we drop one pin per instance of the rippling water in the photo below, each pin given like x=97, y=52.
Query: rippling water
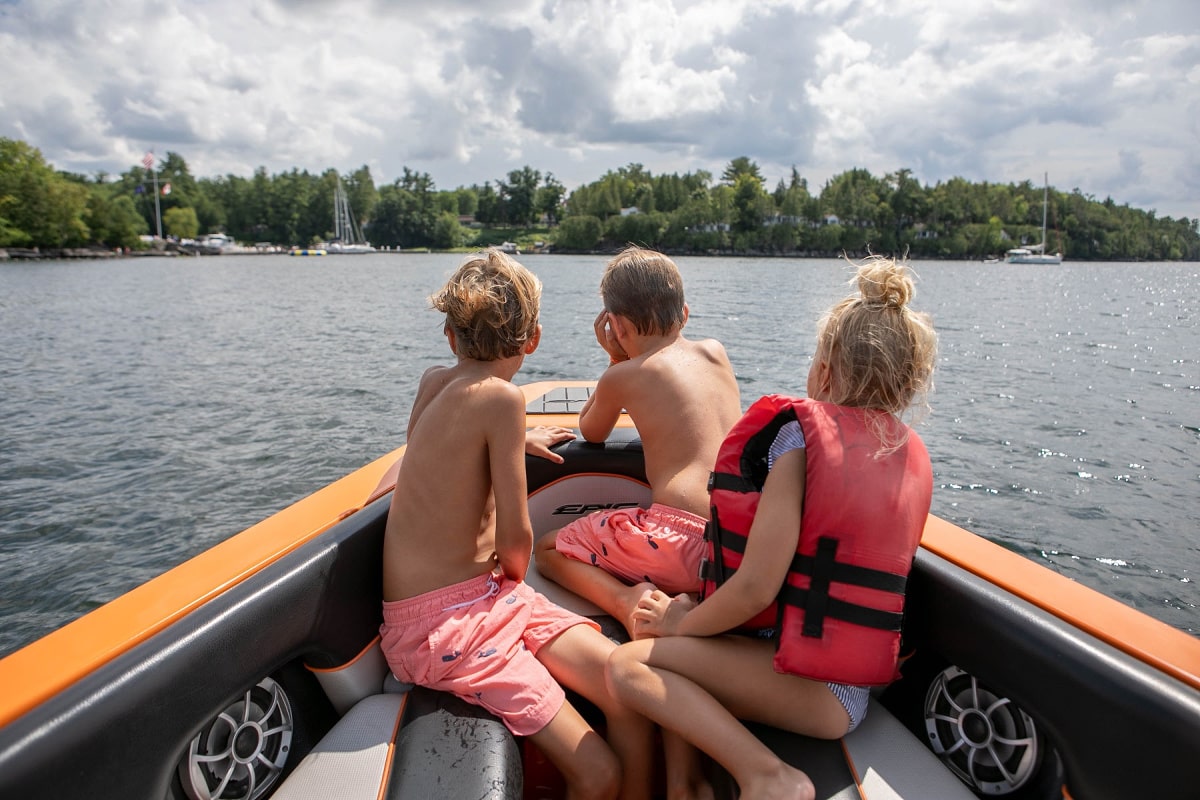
x=150, y=408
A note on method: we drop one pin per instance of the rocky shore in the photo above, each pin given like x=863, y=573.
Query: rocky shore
x=56, y=253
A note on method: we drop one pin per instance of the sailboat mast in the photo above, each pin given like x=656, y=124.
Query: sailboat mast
x=1045, y=201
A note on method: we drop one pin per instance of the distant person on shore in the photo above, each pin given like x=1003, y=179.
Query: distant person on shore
x=457, y=614
x=683, y=397
x=831, y=490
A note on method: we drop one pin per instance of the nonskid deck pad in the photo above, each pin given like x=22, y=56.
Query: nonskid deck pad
x=563, y=400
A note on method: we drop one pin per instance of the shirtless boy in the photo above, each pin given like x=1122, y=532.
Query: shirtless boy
x=458, y=542
x=683, y=397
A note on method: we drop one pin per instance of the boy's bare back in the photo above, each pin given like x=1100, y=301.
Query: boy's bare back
x=683, y=398
x=459, y=508
x=443, y=522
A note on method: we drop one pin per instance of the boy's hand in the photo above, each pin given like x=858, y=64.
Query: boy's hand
x=608, y=339
x=539, y=440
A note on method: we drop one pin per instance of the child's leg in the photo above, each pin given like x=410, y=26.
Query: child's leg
x=580, y=754
x=699, y=687
x=576, y=658
x=589, y=582
x=685, y=773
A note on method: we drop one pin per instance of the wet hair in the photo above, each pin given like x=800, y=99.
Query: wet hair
x=491, y=303
x=880, y=352
x=646, y=288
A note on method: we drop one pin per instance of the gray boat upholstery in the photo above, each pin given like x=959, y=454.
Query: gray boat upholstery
x=354, y=758
x=410, y=743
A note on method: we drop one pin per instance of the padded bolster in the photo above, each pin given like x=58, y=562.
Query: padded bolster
x=892, y=764
x=352, y=761
x=449, y=749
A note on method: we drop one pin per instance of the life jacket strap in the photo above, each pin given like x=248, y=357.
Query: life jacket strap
x=848, y=612
x=731, y=482
x=866, y=577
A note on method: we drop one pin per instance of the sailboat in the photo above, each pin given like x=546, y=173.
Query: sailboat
x=1036, y=253
x=348, y=238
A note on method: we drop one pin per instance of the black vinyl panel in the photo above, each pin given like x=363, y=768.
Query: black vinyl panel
x=448, y=749
x=1124, y=730
x=620, y=455
x=119, y=732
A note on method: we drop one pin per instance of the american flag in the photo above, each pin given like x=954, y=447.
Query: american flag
x=148, y=160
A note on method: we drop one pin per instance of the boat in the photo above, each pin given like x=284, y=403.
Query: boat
x=215, y=244
x=1036, y=253
x=348, y=238
x=253, y=671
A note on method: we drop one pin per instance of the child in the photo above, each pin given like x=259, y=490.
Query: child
x=457, y=614
x=843, y=482
x=683, y=397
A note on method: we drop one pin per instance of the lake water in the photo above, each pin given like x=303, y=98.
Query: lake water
x=150, y=408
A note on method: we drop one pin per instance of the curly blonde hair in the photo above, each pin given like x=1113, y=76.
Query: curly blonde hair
x=491, y=303
x=881, y=354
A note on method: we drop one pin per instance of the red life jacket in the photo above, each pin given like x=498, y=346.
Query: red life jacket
x=837, y=617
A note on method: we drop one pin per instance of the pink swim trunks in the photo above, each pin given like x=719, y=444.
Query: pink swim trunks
x=662, y=545
x=479, y=640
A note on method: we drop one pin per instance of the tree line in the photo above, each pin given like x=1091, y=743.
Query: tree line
x=854, y=212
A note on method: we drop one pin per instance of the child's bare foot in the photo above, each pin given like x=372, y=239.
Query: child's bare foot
x=784, y=783
x=629, y=599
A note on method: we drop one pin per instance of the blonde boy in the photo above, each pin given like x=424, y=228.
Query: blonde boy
x=458, y=615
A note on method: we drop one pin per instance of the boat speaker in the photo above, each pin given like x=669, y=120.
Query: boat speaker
x=983, y=737
x=240, y=754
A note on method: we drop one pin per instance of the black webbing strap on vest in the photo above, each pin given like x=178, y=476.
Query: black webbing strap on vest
x=817, y=600
x=818, y=605
x=714, y=570
x=865, y=577
x=823, y=570
x=730, y=482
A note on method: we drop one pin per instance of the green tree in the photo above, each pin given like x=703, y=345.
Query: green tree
x=520, y=195
x=113, y=220
x=751, y=205
x=181, y=223
x=645, y=230
x=38, y=206
x=578, y=233
x=549, y=200
x=447, y=233
x=741, y=166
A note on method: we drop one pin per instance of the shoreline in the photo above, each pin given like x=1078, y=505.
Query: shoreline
x=173, y=251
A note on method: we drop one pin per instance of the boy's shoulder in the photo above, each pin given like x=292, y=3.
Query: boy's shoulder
x=712, y=349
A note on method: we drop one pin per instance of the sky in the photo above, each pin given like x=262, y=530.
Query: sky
x=1104, y=96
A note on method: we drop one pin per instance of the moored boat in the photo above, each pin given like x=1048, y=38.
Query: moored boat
x=253, y=671
x=348, y=238
x=1036, y=253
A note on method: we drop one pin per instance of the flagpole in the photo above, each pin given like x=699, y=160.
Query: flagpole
x=157, y=209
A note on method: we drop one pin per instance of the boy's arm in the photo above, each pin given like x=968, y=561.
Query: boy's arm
x=603, y=408
x=506, y=462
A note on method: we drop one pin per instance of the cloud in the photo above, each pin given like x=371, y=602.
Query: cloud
x=1103, y=96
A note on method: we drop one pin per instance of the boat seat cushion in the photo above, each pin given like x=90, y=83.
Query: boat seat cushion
x=418, y=743
x=354, y=759
x=880, y=760
x=889, y=763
